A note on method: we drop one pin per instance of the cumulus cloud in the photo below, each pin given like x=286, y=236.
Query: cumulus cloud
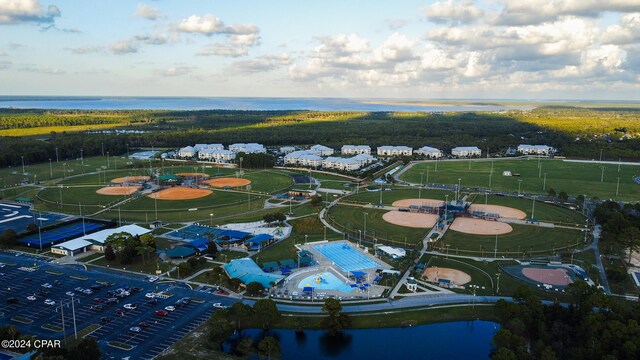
x=174, y=71
x=148, y=12
x=627, y=32
x=519, y=12
x=210, y=25
x=25, y=11
x=133, y=44
x=262, y=63
x=456, y=12
x=224, y=50
x=395, y=24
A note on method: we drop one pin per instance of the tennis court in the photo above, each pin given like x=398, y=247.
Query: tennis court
x=192, y=232
x=62, y=233
x=17, y=217
x=346, y=257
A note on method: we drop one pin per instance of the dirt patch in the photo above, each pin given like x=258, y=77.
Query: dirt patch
x=418, y=202
x=456, y=276
x=504, y=211
x=231, y=182
x=480, y=227
x=118, y=190
x=194, y=175
x=412, y=220
x=548, y=276
x=180, y=193
x=131, y=179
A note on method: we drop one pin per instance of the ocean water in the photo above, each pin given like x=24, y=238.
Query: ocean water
x=231, y=103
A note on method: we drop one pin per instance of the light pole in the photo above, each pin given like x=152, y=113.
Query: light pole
x=82, y=156
x=495, y=249
x=491, y=173
x=602, y=175
x=50, y=169
x=64, y=171
x=365, y=224
x=533, y=208
x=446, y=207
x=211, y=217
x=498, y=283
x=601, y=155
x=57, y=158
x=420, y=188
x=544, y=182
x=359, y=237
x=458, y=190
x=427, y=174
x=23, y=172
x=617, y=186
x=519, y=186
x=40, y=232
x=108, y=160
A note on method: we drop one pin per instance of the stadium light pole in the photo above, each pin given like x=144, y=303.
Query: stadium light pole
x=82, y=156
x=544, y=182
x=601, y=154
x=602, y=175
x=495, y=249
x=50, y=169
x=57, y=157
x=498, y=284
x=23, y=172
x=617, y=185
x=458, y=190
x=64, y=170
x=533, y=207
x=519, y=186
x=619, y=164
x=491, y=173
x=427, y=174
x=211, y=217
x=365, y=224
x=40, y=232
x=108, y=160
x=420, y=188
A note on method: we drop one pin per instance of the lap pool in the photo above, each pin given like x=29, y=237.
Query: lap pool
x=346, y=257
x=324, y=281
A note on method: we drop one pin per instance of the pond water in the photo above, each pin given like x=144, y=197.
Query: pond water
x=450, y=340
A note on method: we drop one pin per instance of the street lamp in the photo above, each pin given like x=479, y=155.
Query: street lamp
x=458, y=190
x=420, y=188
x=23, y=172
x=211, y=217
x=365, y=224
x=50, y=169
x=519, y=186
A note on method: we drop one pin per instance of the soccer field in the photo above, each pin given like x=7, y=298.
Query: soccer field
x=571, y=177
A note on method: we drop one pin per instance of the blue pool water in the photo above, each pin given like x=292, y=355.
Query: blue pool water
x=327, y=281
x=346, y=257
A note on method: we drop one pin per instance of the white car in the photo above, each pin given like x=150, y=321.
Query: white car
x=47, y=286
x=87, y=291
x=130, y=306
x=31, y=298
x=150, y=295
x=170, y=308
x=153, y=279
x=219, y=306
x=49, y=302
x=70, y=293
x=135, y=329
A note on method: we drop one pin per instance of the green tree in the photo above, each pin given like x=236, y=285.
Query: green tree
x=563, y=196
x=238, y=313
x=86, y=349
x=266, y=312
x=279, y=217
x=315, y=200
x=269, y=218
x=552, y=193
x=8, y=239
x=245, y=346
x=254, y=288
x=32, y=227
x=630, y=239
x=332, y=306
x=269, y=347
x=336, y=322
x=109, y=255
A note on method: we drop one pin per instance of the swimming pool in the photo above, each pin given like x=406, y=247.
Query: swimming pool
x=346, y=257
x=324, y=281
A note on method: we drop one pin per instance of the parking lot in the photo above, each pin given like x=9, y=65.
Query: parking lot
x=111, y=322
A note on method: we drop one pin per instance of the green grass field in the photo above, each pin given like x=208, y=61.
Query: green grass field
x=518, y=243
x=573, y=178
x=268, y=181
x=388, y=197
x=351, y=220
x=479, y=277
x=543, y=211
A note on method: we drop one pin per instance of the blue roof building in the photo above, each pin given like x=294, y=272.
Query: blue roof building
x=259, y=241
x=248, y=271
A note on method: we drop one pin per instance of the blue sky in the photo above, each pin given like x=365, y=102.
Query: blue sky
x=534, y=49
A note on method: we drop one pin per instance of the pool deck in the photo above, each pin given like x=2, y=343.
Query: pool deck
x=289, y=288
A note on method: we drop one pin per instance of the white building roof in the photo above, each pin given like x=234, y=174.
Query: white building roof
x=398, y=252
x=356, y=147
x=311, y=157
x=101, y=236
x=188, y=148
x=429, y=149
x=321, y=148
x=362, y=157
x=389, y=147
x=543, y=147
x=466, y=148
x=73, y=245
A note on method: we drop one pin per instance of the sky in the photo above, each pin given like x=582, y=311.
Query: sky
x=405, y=49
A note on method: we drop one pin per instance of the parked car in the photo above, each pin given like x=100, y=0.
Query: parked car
x=96, y=307
x=150, y=295
x=31, y=298
x=137, y=289
x=70, y=293
x=96, y=287
x=185, y=300
x=78, y=289
x=49, y=302
x=47, y=286
x=110, y=301
x=152, y=301
x=119, y=312
x=105, y=319
x=144, y=324
x=57, y=282
x=130, y=306
x=153, y=279
x=98, y=300
x=170, y=308
x=135, y=329
x=12, y=300
x=220, y=306
x=161, y=313
x=87, y=291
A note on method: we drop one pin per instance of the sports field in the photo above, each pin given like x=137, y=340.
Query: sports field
x=571, y=177
x=73, y=196
x=389, y=197
x=543, y=211
x=351, y=219
x=523, y=238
